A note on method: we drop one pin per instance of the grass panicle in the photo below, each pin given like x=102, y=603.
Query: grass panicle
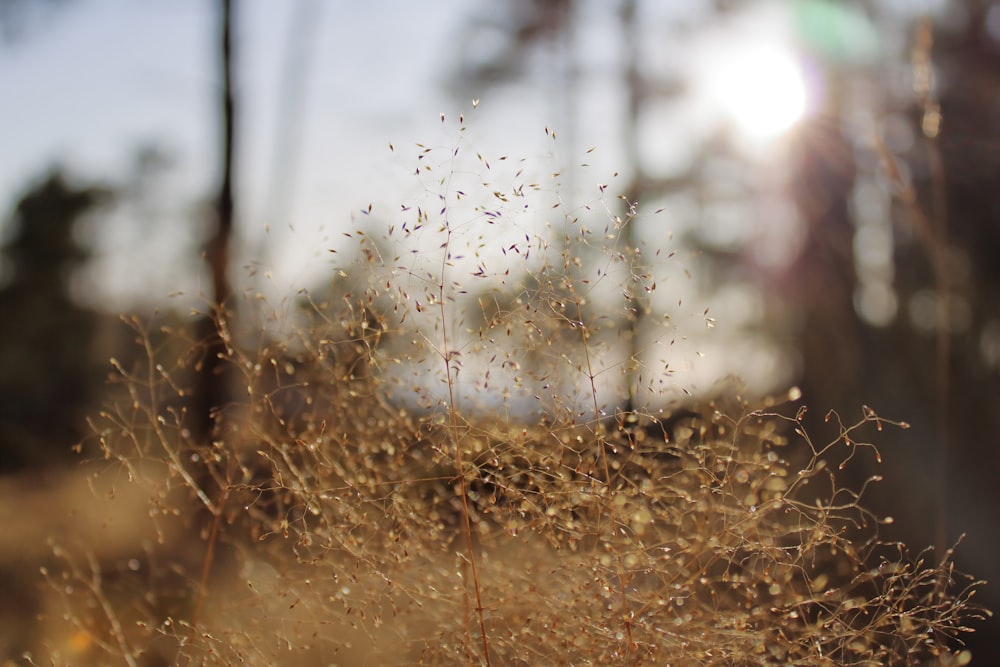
x=430, y=463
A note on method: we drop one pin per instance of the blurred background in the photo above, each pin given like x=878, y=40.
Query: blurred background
x=829, y=167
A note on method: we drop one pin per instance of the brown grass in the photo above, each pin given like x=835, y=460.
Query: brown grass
x=429, y=467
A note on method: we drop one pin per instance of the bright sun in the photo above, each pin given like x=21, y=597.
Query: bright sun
x=763, y=90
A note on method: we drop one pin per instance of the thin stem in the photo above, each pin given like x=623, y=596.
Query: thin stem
x=117, y=631
x=161, y=437
x=206, y=566
x=447, y=355
x=935, y=240
x=602, y=448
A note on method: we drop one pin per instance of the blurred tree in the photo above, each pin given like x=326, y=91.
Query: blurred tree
x=16, y=16
x=948, y=281
x=511, y=33
x=47, y=372
x=895, y=288
x=214, y=388
x=893, y=297
x=523, y=28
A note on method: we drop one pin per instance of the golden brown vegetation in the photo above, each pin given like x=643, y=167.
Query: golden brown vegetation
x=424, y=471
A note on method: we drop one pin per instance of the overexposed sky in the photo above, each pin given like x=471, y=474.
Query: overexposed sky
x=98, y=79
x=91, y=81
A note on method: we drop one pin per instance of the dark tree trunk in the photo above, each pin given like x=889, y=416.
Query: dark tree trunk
x=214, y=384
x=219, y=249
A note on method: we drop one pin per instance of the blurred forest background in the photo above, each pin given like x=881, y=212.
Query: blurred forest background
x=164, y=156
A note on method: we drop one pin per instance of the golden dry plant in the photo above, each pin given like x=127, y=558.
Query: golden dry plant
x=428, y=462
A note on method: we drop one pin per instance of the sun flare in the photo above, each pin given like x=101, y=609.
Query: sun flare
x=763, y=90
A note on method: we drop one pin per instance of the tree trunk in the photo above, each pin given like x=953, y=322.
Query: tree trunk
x=213, y=390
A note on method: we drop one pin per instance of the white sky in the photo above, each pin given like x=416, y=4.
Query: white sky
x=103, y=77
x=99, y=78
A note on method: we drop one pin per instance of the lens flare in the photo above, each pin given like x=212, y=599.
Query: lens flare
x=763, y=90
